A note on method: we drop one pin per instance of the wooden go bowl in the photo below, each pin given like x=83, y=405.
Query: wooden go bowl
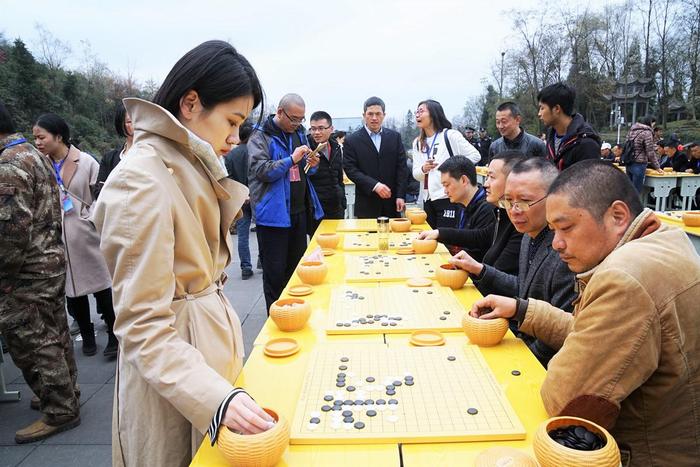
x=691, y=218
x=312, y=272
x=549, y=453
x=290, y=314
x=400, y=224
x=422, y=247
x=260, y=450
x=416, y=216
x=484, y=332
x=451, y=276
x=328, y=240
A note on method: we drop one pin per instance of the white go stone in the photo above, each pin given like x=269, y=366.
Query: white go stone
x=347, y=426
x=336, y=425
x=315, y=414
x=312, y=426
x=392, y=419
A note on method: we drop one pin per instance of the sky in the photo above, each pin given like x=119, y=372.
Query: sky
x=334, y=54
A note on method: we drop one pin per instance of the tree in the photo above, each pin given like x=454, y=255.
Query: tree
x=52, y=51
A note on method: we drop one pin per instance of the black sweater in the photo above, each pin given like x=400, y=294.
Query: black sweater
x=501, y=240
x=478, y=215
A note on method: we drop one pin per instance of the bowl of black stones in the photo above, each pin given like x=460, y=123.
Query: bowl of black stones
x=573, y=441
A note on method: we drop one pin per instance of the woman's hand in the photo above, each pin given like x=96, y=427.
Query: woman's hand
x=246, y=417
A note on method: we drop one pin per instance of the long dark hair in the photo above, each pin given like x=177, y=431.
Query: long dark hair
x=437, y=117
x=56, y=126
x=216, y=71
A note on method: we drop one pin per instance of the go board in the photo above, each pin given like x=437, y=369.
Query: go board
x=366, y=241
x=390, y=267
x=372, y=393
x=357, y=225
x=392, y=309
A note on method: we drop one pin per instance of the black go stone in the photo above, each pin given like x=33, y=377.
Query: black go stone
x=350, y=388
x=409, y=382
x=472, y=411
x=515, y=373
x=326, y=408
x=340, y=384
x=393, y=402
x=370, y=316
x=345, y=359
x=315, y=420
x=452, y=358
x=347, y=413
x=577, y=437
x=347, y=325
x=337, y=408
x=348, y=419
x=359, y=425
x=370, y=379
x=348, y=402
x=430, y=292
x=390, y=392
x=328, y=398
x=446, y=312
x=369, y=402
x=381, y=402
x=359, y=402
x=371, y=413
x=385, y=323
x=338, y=403
x=393, y=323
x=408, y=378
x=340, y=325
x=371, y=321
x=343, y=367
x=397, y=383
x=415, y=291
x=341, y=375
x=398, y=318
x=443, y=318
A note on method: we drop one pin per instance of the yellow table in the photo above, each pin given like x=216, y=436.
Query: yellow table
x=277, y=383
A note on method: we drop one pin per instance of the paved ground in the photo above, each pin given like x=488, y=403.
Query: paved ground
x=89, y=444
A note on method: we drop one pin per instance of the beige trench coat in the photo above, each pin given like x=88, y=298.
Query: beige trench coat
x=164, y=215
x=86, y=271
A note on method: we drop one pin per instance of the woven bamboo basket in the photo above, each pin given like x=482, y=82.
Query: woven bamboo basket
x=484, y=332
x=328, y=240
x=416, y=216
x=691, y=218
x=261, y=450
x=312, y=272
x=400, y=224
x=504, y=457
x=451, y=276
x=549, y=453
x=422, y=247
x=290, y=314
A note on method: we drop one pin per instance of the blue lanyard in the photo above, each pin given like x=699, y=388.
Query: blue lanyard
x=430, y=149
x=14, y=143
x=57, y=171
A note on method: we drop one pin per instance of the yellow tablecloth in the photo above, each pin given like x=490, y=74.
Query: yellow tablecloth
x=276, y=383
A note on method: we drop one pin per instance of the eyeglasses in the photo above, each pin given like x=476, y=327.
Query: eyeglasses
x=420, y=111
x=522, y=206
x=296, y=120
x=314, y=129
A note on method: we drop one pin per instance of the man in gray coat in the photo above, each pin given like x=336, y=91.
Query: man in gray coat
x=513, y=136
x=542, y=273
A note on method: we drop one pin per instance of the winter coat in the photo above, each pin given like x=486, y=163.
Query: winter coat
x=628, y=356
x=164, y=216
x=328, y=179
x=526, y=143
x=580, y=142
x=459, y=146
x=643, y=137
x=268, y=176
x=86, y=270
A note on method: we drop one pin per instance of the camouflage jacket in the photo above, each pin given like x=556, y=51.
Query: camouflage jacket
x=30, y=215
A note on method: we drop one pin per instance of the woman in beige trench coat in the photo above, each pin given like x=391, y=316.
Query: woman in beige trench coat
x=163, y=216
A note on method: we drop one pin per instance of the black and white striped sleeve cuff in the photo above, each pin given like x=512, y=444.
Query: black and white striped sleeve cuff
x=219, y=414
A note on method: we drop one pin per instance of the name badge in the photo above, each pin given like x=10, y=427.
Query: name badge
x=66, y=203
x=448, y=213
x=294, y=174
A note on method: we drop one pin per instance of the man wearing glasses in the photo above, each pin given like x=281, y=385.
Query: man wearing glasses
x=541, y=273
x=282, y=198
x=375, y=160
x=328, y=179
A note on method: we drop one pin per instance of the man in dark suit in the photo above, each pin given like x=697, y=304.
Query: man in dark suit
x=541, y=273
x=375, y=160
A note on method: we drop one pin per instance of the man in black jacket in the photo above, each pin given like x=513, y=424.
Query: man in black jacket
x=458, y=177
x=375, y=160
x=513, y=136
x=328, y=179
x=542, y=274
x=569, y=138
x=500, y=242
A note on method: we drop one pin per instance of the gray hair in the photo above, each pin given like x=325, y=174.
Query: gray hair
x=291, y=99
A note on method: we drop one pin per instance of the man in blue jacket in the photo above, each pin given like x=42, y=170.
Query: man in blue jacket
x=282, y=198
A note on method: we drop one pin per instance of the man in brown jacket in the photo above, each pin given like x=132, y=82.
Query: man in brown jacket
x=629, y=354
